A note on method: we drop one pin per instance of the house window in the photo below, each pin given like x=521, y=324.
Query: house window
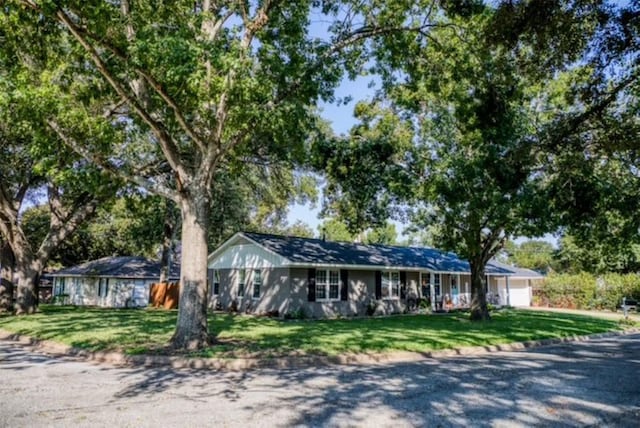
x=60, y=286
x=241, y=282
x=103, y=287
x=327, y=285
x=390, y=285
x=257, y=283
x=436, y=284
x=216, y=282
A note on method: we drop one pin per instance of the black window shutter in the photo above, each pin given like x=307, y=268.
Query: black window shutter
x=403, y=285
x=209, y=278
x=344, y=286
x=311, y=283
x=378, y=285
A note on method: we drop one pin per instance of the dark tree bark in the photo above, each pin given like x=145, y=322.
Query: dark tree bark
x=479, y=308
x=7, y=264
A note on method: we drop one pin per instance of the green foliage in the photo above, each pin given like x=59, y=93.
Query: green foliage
x=598, y=256
x=586, y=291
x=296, y=314
x=536, y=255
x=383, y=235
x=300, y=229
x=592, y=144
x=132, y=225
x=335, y=230
x=568, y=291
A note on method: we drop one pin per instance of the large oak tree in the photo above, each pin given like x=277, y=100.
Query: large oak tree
x=199, y=87
x=453, y=139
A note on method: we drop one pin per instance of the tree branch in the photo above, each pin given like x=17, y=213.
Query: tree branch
x=138, y=180
x=60, y=231
x=167, y=144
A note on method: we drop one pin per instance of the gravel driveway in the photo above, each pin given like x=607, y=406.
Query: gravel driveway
x=577, y=384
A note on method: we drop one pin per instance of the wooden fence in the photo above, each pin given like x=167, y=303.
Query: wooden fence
x=164, y=295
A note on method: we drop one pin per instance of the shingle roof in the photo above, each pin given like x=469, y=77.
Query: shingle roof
x=317, y=251
x=519, y=272
x=119, y=267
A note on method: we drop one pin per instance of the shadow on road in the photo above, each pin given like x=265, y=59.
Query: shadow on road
x=12, y=358
x=572, y=384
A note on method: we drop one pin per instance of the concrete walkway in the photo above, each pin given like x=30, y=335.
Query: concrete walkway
x=590, y=383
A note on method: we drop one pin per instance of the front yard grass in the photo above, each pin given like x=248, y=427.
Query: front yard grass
x=148, y=331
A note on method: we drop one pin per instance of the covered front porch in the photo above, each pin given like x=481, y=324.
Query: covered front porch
x=446, y=291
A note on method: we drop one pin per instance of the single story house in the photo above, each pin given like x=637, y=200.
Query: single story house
x=110, y=282
x=262, y=273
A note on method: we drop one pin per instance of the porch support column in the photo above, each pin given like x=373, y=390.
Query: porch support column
x=432, y=291
x=506, y=278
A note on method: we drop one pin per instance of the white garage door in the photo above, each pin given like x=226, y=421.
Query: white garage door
x=519, y=293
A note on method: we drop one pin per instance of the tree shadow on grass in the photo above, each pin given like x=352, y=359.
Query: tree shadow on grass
x=564, y=385
x=412, y=333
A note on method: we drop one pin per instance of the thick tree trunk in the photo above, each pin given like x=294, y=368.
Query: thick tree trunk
x=28, y=269
x=191, y=329
x=479, y=309
x=7, y=267
x=27, y=292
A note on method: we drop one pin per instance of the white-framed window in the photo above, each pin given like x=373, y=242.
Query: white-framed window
x=257, y=283
x=242, y=276
x=390, y=285
x=103, y=287
x=327, y=284
x=216, y=282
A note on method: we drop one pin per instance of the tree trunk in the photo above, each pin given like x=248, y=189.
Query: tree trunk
x=479, y=309
x=28, y=269
x=7, y=266
x=28, y=273
x=191, y=329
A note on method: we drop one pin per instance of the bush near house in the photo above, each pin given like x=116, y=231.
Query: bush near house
x=587, y=291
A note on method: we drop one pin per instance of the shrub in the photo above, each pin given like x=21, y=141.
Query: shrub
x=60, y=299
x=371, y=307
x=585, y=291
x=297, y=314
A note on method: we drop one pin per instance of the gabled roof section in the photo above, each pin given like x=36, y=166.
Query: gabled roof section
x=302, y=251
x=517, y=271
x=119, y=267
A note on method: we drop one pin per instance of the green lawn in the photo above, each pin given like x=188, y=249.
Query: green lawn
x=137, y=331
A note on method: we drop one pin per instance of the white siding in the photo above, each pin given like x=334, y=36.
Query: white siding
x=247, y=256
x=122, y=292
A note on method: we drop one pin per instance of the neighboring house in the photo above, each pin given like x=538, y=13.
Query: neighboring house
x=110, y=282
x=263, y=273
